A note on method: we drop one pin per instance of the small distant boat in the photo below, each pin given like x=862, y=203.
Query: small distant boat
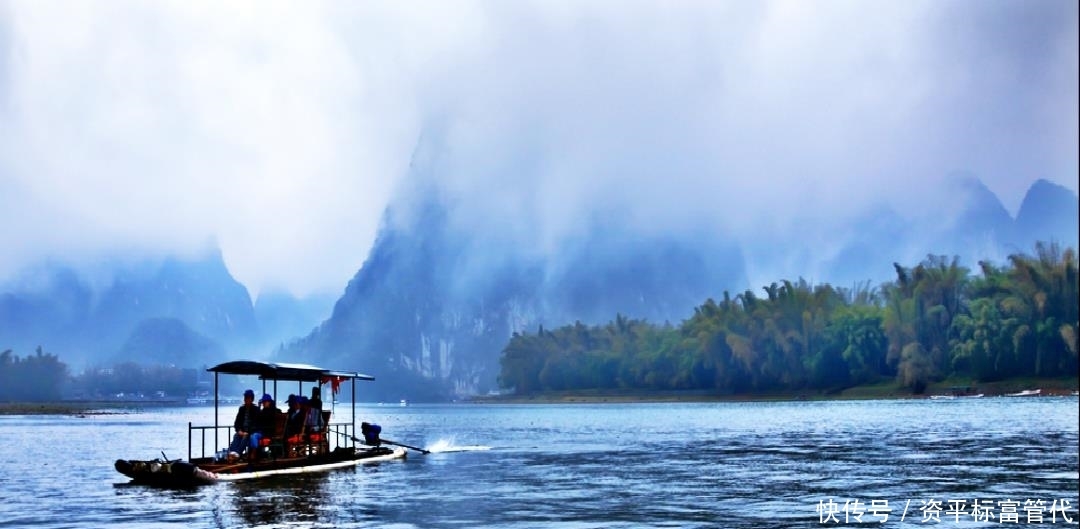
x=1025, y=393
x=958, y=392
x=954, y=397
x=403, y=403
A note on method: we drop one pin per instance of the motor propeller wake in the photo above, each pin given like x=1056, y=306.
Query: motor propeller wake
x=443, y=446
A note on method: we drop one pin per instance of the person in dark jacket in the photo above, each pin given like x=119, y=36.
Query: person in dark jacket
x=244, y=423
x=313, y=422
x=294, y=420
x=316, y=399
x=265, y=420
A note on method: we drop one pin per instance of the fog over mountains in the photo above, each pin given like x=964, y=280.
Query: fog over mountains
x=181, y=311
x=432, y=306
x=481, y=167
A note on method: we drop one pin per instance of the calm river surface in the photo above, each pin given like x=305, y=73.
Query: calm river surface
x=580, y=466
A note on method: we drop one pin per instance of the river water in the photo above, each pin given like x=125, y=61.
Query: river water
x=765, y=464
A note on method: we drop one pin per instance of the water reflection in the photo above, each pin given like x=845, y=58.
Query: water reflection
x=131, y=489
x=281, y=500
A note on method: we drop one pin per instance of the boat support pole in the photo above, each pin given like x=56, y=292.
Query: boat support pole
x=215, y=413
x=352, y=386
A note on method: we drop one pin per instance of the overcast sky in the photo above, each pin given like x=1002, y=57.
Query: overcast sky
x=280, y=131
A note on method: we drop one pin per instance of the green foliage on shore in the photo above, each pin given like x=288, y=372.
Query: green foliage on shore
x=935, y=320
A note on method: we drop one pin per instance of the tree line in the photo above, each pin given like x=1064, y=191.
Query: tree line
x=935, y=320
x=37, y=377
x=44, y=377
x=132, y=379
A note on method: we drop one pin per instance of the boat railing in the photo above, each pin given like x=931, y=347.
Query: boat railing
x=341, y=434
x=337, y=434
x=220, y=436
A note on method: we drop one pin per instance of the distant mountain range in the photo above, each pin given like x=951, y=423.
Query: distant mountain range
x=431, y=308
x=430, y=317
x=977, y=227
x=182, y=311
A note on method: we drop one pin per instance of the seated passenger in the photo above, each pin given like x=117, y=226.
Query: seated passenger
x=313, y=422
x=265, y=421
x=244, y=423
x=294, y=421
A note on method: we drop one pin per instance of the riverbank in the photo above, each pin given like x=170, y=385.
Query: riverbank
x=79, y=407
x=882, y=391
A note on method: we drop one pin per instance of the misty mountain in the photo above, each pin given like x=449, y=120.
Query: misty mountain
x=47, y=305
x=873, y=237
x=178, y=308
x=199, y=292
x=973, y=225
x=433, y=304
x=169, y=341
x=282, y=316
x=432, y=307
x=976, y=226
x=1048, y=212
x=980, y=225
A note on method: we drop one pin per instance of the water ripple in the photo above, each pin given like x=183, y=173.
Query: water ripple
x=738, y=465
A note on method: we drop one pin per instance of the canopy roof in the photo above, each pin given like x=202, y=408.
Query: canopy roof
x=284, y=371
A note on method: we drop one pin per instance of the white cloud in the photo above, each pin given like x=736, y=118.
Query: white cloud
x=161, y=126
x=281, y=130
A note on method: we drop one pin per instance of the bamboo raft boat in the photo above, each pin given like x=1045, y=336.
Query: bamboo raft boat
x=334, y=446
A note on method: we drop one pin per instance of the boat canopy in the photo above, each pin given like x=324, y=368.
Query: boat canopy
x=284, y=371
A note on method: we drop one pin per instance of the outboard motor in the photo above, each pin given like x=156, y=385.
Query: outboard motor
x=371, y=433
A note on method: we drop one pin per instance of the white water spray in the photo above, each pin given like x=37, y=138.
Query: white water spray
x=447, y=445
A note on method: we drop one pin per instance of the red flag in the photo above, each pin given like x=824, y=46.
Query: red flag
x=335, y=383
